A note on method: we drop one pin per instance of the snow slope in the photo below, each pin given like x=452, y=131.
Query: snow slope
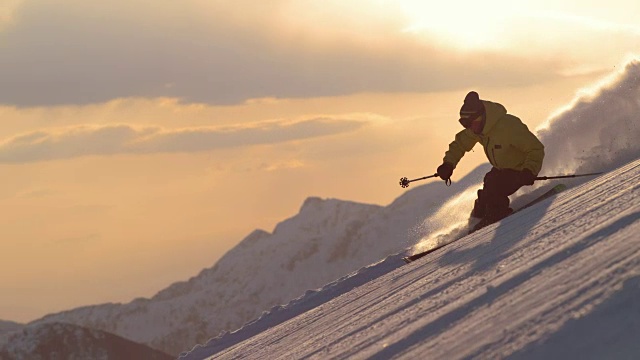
x=560, y=279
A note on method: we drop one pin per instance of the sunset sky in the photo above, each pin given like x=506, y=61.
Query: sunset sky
x=142, y=139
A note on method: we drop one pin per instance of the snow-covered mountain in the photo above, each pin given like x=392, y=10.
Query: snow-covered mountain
x=71, y=342
x=330, y=239
x=264, y=270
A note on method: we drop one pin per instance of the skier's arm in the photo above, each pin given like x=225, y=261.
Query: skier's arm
x=531, y=146
x=464, y=142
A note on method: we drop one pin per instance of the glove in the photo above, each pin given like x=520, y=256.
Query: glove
x=445, y=171
x=527, y=177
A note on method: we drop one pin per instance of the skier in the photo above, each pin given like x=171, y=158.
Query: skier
x=515, y=153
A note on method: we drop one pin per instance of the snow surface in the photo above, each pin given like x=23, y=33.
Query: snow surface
x=558, y=280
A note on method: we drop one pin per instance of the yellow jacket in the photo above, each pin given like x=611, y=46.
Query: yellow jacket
x=507, y=142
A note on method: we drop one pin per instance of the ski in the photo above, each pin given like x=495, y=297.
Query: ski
x=553, y=191
x=414, y=257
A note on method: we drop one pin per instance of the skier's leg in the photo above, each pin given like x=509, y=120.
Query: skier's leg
x=477, y=214
x=479, y=207
x=498, y=186
x=493, y=200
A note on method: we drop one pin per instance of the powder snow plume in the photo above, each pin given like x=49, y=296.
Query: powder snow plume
x=599, y=130
x=450, y=222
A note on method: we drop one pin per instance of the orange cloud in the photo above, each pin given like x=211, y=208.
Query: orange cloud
x=77, y=141
x=72, y=52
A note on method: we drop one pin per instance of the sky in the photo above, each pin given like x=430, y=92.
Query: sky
x=141, y=140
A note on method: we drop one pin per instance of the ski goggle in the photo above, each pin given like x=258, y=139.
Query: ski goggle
x=467, y=118
x=467, y=121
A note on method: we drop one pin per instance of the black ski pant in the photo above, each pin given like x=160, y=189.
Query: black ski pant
x=493, y=199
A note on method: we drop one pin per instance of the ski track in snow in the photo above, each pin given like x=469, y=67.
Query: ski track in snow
x=560, y=279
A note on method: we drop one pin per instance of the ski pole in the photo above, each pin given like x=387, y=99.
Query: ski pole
x=566, y=176
x=404, y=182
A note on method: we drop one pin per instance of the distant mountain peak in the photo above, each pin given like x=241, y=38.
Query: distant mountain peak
x=254, y=237
x=312, y=202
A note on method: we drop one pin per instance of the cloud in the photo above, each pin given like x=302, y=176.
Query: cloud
x=282, y=165
x=77, y=52
x=77, y=141
x=35, y=193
